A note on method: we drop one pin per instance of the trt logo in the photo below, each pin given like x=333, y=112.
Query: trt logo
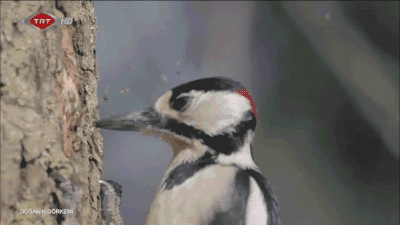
x=44, y=21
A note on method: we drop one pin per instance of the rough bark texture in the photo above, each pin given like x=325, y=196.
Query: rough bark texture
x=51, y=155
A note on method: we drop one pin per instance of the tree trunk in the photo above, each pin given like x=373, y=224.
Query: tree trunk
x=51, y=155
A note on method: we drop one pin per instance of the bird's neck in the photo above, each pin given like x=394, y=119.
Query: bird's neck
x=186, y=152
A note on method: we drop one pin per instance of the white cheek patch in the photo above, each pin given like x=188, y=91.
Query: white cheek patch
x=213, y=112
x=162, y=106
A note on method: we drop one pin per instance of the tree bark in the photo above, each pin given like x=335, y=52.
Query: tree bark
x=51, y=155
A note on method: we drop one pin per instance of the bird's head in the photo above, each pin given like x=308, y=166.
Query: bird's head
x=219, y=112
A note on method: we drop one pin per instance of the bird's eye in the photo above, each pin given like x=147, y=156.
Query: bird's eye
x=180, y=104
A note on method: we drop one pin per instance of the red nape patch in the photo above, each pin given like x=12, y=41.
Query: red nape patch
x=245, y=93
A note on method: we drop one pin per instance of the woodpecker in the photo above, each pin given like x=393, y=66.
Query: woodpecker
x=212, y=177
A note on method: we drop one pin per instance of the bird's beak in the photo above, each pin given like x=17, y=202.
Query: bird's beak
x=147, y=119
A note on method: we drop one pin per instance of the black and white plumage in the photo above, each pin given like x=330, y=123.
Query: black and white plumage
x=212, y=178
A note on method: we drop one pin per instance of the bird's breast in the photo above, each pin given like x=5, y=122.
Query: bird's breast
x=196, y=198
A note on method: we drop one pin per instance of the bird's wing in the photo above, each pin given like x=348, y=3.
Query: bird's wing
x=268, y=194
x=252, y=202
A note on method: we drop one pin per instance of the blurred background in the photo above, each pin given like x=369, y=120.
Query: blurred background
x=325, y=78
